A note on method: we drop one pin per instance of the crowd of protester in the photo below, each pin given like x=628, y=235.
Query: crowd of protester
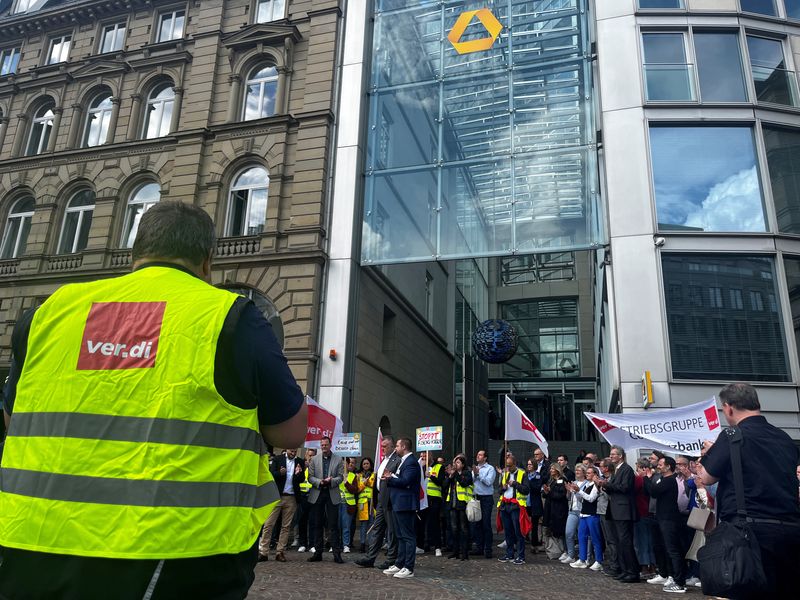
x=627, y=522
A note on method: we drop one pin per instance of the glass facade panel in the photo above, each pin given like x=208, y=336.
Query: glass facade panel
x=660, y=3
x=668, y=76
x=719, y=66
x=548, y=339
x=773, y=82
x=792, y=267
x=706, y=179
x=493, y=143
x=761, y=7
x=537, y=268
x=783, y=159
x=792, y=8
x=725, y=343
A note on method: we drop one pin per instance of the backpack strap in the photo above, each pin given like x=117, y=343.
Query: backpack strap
x=735, y=438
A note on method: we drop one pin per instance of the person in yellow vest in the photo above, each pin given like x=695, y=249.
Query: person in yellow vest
x=138, y=408
x=514, y=491
x=347, y=508
x=305, y=514
x=459, y=482
x=436, y=477
x=366, y=490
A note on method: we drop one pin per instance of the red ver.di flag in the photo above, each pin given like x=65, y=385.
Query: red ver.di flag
x=321, y=423
x=520, y=427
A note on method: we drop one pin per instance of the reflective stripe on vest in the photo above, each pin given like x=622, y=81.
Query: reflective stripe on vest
x=305, y=485
x=521, y=498
x=434, y=491
x=464, y=494
x=347, y=496
x=120, y=445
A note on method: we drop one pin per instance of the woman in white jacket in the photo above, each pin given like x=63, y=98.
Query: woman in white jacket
x=589, y=525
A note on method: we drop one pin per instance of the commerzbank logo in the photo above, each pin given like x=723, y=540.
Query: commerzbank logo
x=487, y=19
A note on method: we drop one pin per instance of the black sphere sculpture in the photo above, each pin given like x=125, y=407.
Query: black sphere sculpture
x=495, y=341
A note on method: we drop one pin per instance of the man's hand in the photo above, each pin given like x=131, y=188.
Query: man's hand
x=283, y=470
x=297, y=470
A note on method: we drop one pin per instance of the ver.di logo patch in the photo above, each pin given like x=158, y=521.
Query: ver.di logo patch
x=121, y=335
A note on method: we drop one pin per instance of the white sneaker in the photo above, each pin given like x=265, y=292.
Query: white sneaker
x=346, y=550
x=330, y=550
x=657, y=580
x=698, y=584
x=692, y=581
x=313, y=550
x=392, y=570
x=301, y=549
x=563, y=556
x=295, y=543
x=438, y=552
x=502, y=544
x=419, y=550
x=404, y=574
x=596, y=566
x=566, y=559
x=669, y=581
x=579, y=565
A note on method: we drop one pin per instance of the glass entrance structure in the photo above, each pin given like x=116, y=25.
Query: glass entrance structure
x=481, y=136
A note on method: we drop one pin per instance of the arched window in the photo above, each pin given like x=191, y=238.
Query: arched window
x=247, y=212
x=77, y=222
x=41, y=129
x=262, y=87
x=158, y=113
x=18, y=225
x=97, y=120
x=140, y=201
x=266, y=307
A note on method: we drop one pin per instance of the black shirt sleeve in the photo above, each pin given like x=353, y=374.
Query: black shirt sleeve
x=717, y=459
x=19, y=347
x=250, y=368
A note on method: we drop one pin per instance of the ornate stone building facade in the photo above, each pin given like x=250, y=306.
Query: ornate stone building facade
x=107, y=106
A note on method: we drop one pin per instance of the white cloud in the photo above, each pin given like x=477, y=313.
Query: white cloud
x=731, y=205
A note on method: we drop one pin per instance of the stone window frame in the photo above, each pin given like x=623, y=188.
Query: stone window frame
x=36, y=106
x=163, y=10
x=246, y=65
x=127, y=192
x=70, y=193
x=90, y=98
x=150, y=87
x=254, y=4
x=236, y=172
x=48, y=46
x=9, y=204
x=121, y=22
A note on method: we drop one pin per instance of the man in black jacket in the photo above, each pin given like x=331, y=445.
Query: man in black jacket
x=622, y=512
x=665, y=492
x=287, y=470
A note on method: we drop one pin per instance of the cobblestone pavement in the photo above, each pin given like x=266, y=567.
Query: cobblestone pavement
x=443, y=579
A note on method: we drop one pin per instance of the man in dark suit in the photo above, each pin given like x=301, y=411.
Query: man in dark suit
x=404, y=489
x=325, y=473
x=622, y=508
x=383, y=525
x=287, y=470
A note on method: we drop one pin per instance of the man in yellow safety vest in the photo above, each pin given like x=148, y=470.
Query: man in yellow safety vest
x=138, y=408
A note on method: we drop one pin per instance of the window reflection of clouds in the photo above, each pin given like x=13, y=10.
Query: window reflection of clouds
x=706, y=179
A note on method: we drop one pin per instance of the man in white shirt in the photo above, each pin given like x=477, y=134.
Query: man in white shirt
x=483, y=475
x=288, y=472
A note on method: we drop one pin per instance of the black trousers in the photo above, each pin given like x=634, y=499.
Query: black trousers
x=420, y=525
x=459, y=528
x=326, y=513
x=672, y=532
x=382, y=526
x=434, y=524
x=780, y=548
x=610, y=553
x=662, y=562
x=627, y=563
x=485, y=536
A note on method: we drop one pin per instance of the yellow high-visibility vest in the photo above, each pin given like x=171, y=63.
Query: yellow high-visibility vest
x=365, y=495
x=521, y=498
x=434, y=490
x=305, y=485
x=464, y=494
x=346, y=495
x=120, y=445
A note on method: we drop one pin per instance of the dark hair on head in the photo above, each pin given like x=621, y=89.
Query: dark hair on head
x=657, y=453
x=607, y=464
x=172, y=229
x=741, y=396
x=670, y=462
x=371, y=464
x=406, y=442
x=462, y=458
x=643, y=462
x=564, y=456
x=325, y=437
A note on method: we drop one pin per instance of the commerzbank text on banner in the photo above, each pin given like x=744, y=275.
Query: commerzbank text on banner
x=677, y=430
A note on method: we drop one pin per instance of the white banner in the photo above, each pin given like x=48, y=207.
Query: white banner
x=676, y=430
x=520, y=427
